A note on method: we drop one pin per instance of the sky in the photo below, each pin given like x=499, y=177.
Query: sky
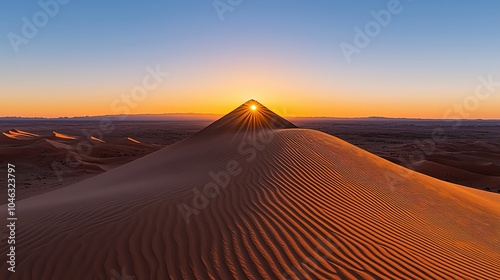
x=338, y=58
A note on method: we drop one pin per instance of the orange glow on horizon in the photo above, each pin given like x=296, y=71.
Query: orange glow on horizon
x=288, y=90
x=286, y=104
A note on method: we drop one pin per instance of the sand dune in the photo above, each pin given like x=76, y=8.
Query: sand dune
x=245, y=119
x=19, y=134
x=97, y=139
x=473, y=147
x=472, y=164
x=450, y=173
x=40, y=157
x=133, y=140
x=64, y=136
x=262, y=204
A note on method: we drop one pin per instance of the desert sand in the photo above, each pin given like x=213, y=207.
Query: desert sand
x=253, y=197
x=50, y=161
x=467, y=152
x=470, y=156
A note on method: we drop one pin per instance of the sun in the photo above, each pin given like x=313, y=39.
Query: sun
x=253, y=107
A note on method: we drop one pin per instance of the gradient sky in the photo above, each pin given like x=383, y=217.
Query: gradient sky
x=285, y=54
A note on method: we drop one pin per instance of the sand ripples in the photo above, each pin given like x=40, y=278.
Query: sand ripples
x=308, y=206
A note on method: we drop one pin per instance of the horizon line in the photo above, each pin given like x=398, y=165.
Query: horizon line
x=218, y=114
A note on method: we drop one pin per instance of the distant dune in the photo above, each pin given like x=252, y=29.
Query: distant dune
x=19, y=134
x=63, y=136
x=260, y=201
x=50, y=161
x=475, y=164
x=133, y=140
x=97, y=139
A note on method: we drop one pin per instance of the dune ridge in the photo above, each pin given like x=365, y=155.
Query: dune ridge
x=293, y=212
x=19, y=134
x=291, y=204
x=97, y=139
x=41, y=158
x=249, y=117
x=133, y=140
x=63, y=136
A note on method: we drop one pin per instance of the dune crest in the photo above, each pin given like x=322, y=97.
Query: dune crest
x=97, y=139
x=284, y=204
x=133, y=140
x=63, y=136
x=251, y=116
x=19, y=134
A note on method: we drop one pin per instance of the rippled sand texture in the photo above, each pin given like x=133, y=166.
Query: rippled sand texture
x=298, y=204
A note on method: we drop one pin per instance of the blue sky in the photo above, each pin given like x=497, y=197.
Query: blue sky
x=282, y=52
